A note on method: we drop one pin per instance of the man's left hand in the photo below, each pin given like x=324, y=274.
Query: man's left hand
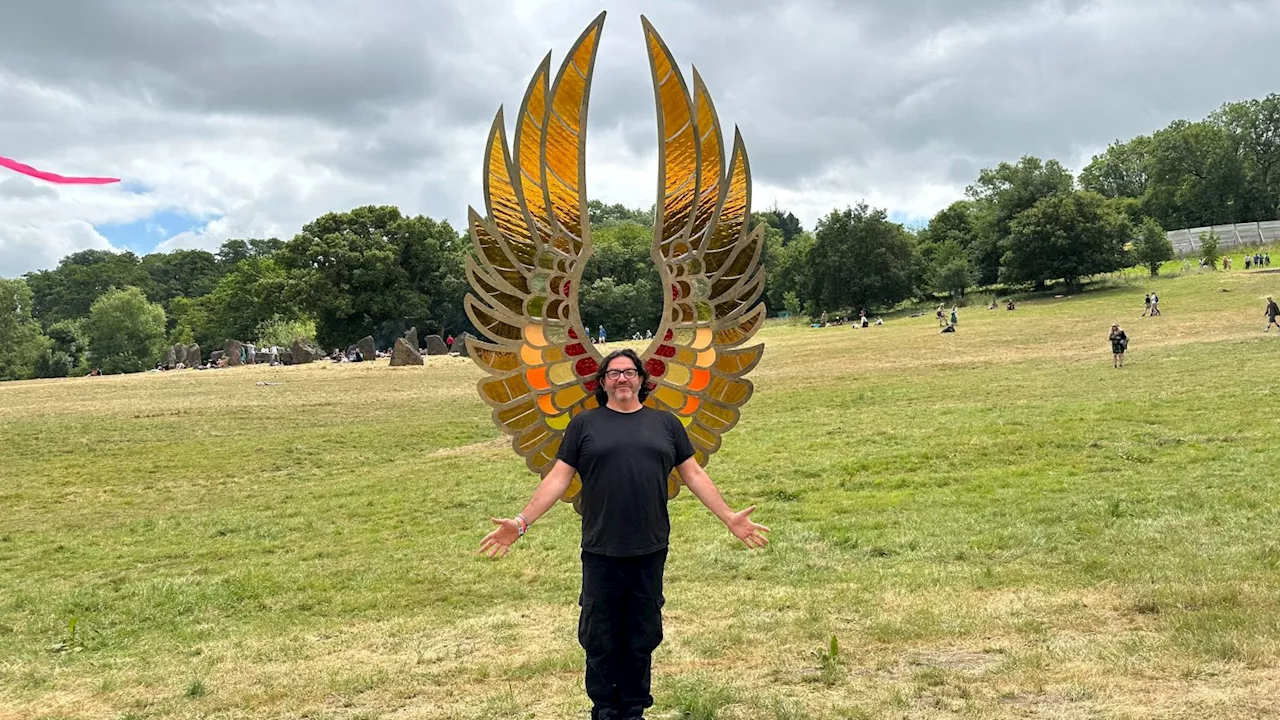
x=750, y=533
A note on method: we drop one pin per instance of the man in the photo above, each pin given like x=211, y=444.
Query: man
x=1271, y=312
x=623, y=453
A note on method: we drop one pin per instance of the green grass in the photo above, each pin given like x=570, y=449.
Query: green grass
x=994, y=523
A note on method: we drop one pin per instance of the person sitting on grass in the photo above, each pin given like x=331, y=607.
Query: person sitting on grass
x=1119, y=343
x=623, y=452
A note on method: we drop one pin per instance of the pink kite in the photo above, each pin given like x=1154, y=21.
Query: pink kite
x=53, y=177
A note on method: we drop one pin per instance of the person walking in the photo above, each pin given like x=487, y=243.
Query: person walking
x=1119, y=343
x=623, y=452
x=1271, y=312
x=1146, y=304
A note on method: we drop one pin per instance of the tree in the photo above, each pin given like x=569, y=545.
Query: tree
x=375, y=271
x=787, y=271
x=951, y=271
x=21, y=344
x=1000, y=195
x=1209, y=249
x=1198, y=177
x=1066, y=235
x=126, y=333
x=784, y=222
x=1152, y=246
x=620, y=287
x=601, y=215
x=1123, y=171
x=251, y=294
x=181, y=273
x=1255, y=125
x=859, y=259
x=68, y=291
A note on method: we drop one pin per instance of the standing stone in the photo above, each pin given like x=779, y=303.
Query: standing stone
x=436, y=346
x=171, y=359
x=303, y=352
x=367, y=347
x=231, y=351
x=412, y=338
x=193, y=355
x=286, y=357
x=460, y=345
x=405, y=354
x=215, y=356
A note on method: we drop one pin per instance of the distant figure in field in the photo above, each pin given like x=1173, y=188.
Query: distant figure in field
x=955, y=315
x=1271, y=312
x=992, y=306
x=942, y=321
x=1155, y=305
x=602, y=335
x=1226, y=263
x=1146, y=304
x=1011, y=305
x=1248, y=262
x=1119, y=343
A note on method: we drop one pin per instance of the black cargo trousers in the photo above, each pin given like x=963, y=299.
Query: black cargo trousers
x=620, y=627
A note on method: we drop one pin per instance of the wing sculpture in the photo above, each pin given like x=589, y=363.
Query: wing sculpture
x=534, y=243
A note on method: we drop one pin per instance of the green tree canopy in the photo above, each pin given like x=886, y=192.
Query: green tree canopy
x=181, y=273
x=21, y=343
x=126, y=332
x=1000, y=195
x=68, y=291
x=1152, y=246
x=859, y=259
x=1065, y=236
x=375, y=271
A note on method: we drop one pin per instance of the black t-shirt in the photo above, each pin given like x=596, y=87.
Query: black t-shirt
x=624, y=460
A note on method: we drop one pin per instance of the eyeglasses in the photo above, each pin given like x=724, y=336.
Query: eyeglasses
x=629, y=373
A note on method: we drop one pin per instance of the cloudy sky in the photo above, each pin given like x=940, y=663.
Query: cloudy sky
x=253, y=118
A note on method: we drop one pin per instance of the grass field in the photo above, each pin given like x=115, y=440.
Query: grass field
x=993, y=524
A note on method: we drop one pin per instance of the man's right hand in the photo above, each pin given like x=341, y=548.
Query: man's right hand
x=497, y=543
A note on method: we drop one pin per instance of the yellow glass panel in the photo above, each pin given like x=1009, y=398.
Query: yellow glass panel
x=533, y=439
x=562, y=373
x=553, y=354
x=686, y=419
x=678, y=375
x=570, y=395
x=559, y=422
x=669, y=396
x=519, y=417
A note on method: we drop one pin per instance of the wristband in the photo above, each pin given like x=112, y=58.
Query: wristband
x=522, y=525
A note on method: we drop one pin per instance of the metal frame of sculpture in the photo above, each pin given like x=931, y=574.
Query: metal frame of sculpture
x=534, y=243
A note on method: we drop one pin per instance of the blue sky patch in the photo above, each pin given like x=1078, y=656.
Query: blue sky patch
x=142, y=236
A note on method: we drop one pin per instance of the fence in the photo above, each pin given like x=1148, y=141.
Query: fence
x=1229, y=236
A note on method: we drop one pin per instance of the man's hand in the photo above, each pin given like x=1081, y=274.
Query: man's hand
x=497, y=543
x=750, y=533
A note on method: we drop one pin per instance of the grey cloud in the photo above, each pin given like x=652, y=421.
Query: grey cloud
x=344, y=102
x=24, y=189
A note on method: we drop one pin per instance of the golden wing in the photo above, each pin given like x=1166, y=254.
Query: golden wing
x=708, y=262
x=531, y=249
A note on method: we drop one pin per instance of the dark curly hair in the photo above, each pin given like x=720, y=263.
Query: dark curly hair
x=601, y=396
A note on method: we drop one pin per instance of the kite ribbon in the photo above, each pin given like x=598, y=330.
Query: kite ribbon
x=53, y=177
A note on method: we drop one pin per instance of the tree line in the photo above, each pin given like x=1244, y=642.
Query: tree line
x=374, y=271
